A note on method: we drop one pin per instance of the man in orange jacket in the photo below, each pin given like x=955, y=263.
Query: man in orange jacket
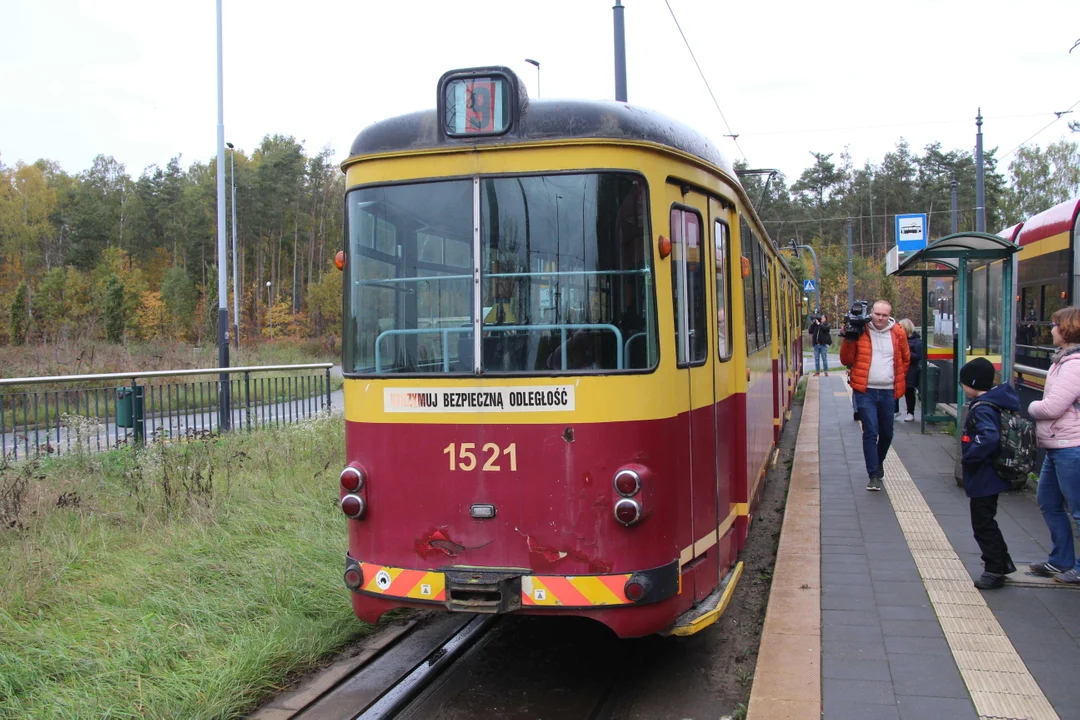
x=879, y=361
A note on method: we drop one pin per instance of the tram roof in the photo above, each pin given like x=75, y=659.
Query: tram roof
x=1010, y=233
x=542, y=120
x=1048, y=223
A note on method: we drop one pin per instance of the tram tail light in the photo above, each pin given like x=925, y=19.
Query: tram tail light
x=352, y=479
x=339, y=260
x=353, y=506
x=637, y=587
x=627, y=483
x=627, y=511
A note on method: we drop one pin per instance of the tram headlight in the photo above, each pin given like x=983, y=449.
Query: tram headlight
x=352, y=479
x=353, y=506
x=627, y=511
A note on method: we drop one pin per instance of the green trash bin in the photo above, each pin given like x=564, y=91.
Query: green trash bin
x=123, y=407
x=933, y=377
x=129, y=407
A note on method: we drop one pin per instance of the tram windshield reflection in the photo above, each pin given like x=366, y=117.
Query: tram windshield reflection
x=565, y=267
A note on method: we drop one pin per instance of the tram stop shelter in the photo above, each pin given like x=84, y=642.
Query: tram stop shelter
x=955, y=256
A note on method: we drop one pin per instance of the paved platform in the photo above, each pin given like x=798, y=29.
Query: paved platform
x=902, y=632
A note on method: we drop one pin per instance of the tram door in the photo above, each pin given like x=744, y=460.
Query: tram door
x=695, y=339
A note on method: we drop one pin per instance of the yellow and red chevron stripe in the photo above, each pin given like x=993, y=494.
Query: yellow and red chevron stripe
x=398, y=582
x=536, y=590
x=574, y=591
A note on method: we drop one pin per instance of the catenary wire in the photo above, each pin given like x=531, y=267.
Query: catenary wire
x=731, y=134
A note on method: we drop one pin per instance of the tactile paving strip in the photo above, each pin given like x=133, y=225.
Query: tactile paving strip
x=1000, y=685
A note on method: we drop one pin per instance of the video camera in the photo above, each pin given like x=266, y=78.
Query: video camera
x=856, y=319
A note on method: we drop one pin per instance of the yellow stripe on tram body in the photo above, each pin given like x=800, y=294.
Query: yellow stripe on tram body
x=608, y=398
x=1054, y=243
x=704, y=543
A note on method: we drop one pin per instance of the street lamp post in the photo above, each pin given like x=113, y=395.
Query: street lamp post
x=224, y=417
x=235, y=287
x=270, y=309
x=537, y=64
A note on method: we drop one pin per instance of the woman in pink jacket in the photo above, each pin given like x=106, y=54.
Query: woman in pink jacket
x=1057, y=419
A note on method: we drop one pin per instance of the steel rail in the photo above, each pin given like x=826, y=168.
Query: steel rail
x=401, y=694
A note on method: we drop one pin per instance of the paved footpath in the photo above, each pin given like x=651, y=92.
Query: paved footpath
x=903, y=632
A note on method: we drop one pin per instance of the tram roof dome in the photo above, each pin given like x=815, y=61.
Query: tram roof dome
x=540, y=120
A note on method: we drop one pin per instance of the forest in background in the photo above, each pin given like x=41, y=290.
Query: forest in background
x=102, y=255
x=814, y=209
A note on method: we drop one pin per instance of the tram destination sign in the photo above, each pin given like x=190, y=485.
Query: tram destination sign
x=518, y=398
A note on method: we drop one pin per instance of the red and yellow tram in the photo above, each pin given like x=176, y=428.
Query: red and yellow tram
x=569, y=351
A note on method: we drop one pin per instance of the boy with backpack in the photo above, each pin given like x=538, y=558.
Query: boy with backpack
x=994, y=449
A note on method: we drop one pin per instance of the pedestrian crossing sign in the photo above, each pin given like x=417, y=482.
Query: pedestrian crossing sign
x=808, y=286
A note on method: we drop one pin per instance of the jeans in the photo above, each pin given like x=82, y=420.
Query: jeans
x=821, y=359
x=995, y=553
x=909, y=399
x=1059, y=483
x=876, y=413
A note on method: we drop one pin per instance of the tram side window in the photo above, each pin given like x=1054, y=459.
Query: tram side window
x=766, y=294
x=759, y=289
x=689, y=287
x=749, y=285
x=723, y=310
x=1052, y=300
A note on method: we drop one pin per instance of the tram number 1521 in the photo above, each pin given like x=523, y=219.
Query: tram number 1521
x=463, y=457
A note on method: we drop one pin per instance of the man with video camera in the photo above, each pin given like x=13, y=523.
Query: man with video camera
x=875, y=348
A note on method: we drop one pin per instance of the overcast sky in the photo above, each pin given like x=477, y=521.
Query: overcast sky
x=136, y=79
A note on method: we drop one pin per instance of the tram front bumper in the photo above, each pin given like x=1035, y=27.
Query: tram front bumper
x=502, y=590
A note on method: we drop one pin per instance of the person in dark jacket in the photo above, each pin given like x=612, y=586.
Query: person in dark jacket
x=821, y=340
x=980, y=443
x=915, y=346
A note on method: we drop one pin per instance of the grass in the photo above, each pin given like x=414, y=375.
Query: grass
x=187, y=580
x=800, y=391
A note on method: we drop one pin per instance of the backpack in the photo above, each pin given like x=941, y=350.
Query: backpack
x=1015, y=457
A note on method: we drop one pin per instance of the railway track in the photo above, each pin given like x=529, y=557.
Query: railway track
x=438, y=666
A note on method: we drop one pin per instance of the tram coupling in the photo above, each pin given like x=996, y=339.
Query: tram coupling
x=484, y=591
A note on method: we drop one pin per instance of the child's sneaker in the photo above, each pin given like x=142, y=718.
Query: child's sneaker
x=1070, y=577
x=1045, y=569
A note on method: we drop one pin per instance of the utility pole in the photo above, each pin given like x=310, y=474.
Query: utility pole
x=980, y=197
x=850, y=270
x=235, y=287
x=794, y=247
x=620, y=53
x=955, y=221
x=224, y=419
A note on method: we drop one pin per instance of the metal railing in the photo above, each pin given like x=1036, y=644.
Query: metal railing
x=90, y=413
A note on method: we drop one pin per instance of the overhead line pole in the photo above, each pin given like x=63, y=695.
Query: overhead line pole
x=980, y=195
x=850, y=271
x=817, y=271
x=222, y=268
x=620, y=53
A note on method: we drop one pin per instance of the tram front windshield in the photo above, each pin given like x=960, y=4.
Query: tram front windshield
x=566, y=282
